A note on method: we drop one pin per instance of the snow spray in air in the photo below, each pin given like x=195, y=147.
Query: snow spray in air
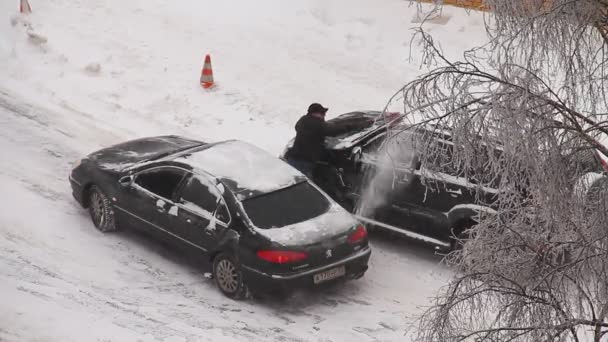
x=388, y=171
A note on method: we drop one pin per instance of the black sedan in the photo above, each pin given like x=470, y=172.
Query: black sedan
x=261, y=223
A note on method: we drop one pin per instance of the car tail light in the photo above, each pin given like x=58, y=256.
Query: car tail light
x=605, y=165
x=282, y=257
x=602, y=158
x=358, y=235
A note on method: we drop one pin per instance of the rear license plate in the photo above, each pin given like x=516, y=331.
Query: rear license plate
x=329, y=274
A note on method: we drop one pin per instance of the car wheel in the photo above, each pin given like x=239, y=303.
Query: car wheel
x=228, y=277
x=460, y=233
x=101, y=210
x=456, y=243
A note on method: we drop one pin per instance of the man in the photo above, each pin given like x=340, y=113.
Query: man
x=309, y=144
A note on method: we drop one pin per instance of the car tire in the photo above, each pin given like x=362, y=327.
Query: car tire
x=456, y=243
x=460, y=232
x=228, y=276
x=101, y=211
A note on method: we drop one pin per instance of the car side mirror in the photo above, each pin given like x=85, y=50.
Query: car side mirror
x=126, y=181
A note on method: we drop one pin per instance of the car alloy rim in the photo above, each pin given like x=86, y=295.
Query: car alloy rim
x=98, y=205
x=227, y=276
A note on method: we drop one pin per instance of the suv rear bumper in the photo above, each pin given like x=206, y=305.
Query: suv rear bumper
x=259, y=281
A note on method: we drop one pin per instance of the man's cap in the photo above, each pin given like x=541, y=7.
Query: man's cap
x=317, y=108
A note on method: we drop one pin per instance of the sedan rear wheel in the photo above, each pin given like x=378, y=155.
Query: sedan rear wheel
x=228, y=277
x=101, y=210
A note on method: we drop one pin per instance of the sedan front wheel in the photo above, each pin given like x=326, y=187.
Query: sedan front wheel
x=101, y=210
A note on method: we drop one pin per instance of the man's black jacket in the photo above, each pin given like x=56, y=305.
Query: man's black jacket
x=310, y=137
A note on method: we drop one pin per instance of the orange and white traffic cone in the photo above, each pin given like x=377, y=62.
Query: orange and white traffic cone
x=24, y=7
x=207, y=74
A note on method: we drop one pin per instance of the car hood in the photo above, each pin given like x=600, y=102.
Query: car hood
x=122, y=156
x=336, y=221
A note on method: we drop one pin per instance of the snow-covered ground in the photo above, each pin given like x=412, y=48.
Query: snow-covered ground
x=77, y=75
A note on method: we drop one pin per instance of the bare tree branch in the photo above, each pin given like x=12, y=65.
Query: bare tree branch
x=526, y=114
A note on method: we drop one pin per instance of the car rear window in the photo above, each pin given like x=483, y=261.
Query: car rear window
x=284, y=207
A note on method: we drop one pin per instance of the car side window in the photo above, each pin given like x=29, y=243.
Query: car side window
x=162, y=181
x=222, y=213
x=201, y=196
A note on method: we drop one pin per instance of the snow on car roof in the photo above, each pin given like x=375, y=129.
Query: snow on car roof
x=244, y=168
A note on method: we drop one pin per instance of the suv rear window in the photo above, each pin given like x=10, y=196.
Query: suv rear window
x=284, y=207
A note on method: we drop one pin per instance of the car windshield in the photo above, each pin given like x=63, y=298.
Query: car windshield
x=284, y=207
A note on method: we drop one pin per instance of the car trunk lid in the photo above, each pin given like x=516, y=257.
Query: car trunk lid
x=332, y=250
x=324, y=240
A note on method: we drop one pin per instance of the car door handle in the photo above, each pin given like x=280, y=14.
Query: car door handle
x=189, y=220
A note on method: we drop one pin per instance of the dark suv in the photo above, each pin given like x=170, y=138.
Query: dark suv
x=404, y=197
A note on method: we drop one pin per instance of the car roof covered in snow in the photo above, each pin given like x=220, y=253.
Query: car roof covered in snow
x=246, y=170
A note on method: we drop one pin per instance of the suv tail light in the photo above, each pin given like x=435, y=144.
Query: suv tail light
x=358, y=235
x=602, y=158
x=605, y=165
x=282, y=257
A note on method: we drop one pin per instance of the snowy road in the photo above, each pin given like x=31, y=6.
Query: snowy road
x=61, y=280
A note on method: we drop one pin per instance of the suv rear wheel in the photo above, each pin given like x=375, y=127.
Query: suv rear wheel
x=460, y=233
